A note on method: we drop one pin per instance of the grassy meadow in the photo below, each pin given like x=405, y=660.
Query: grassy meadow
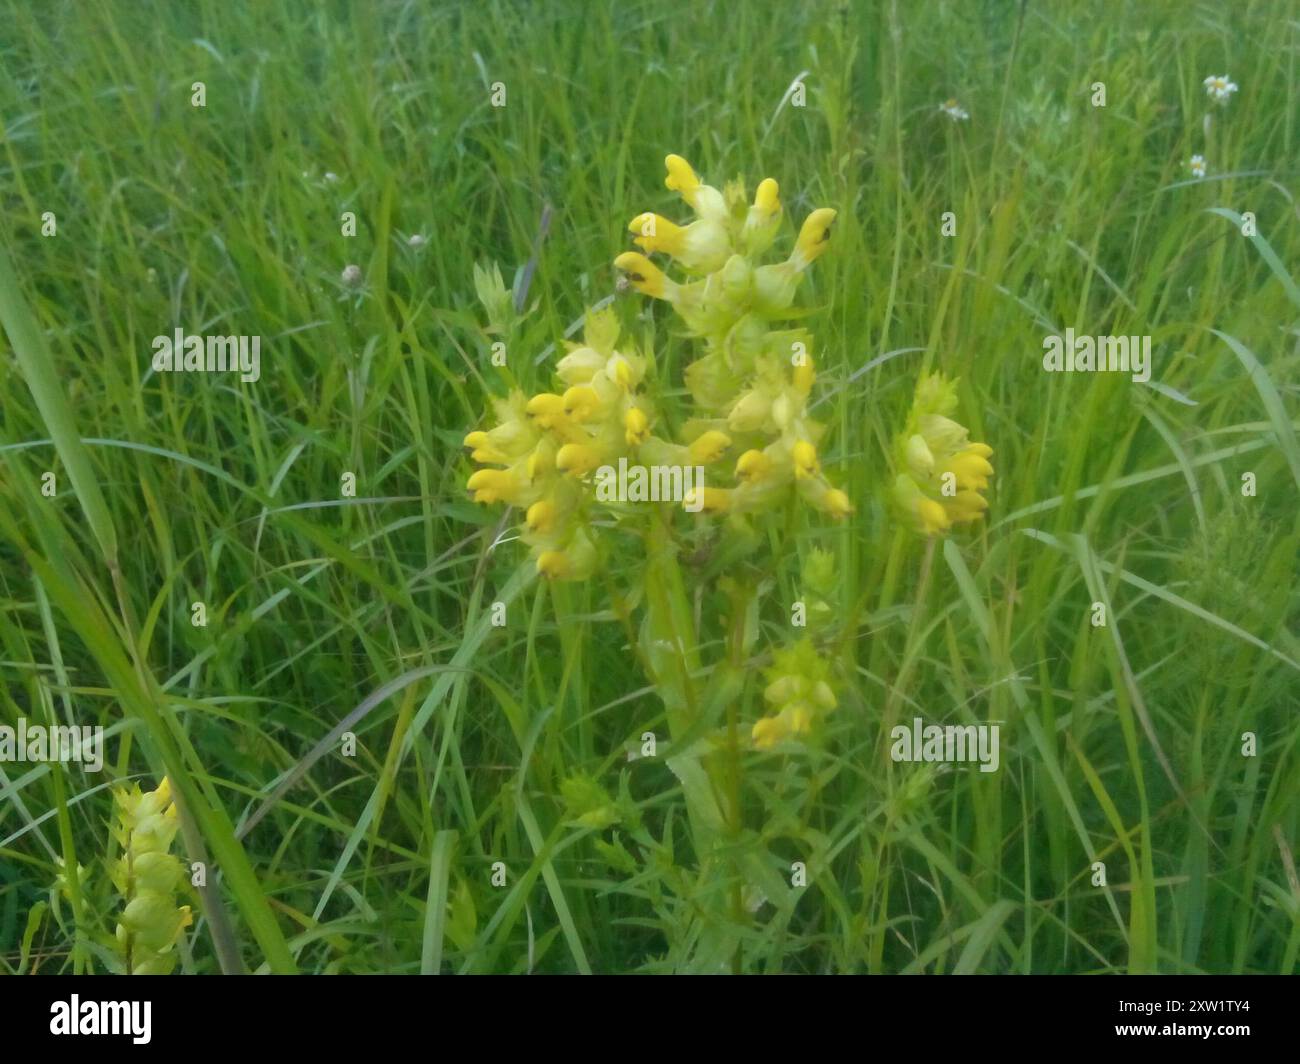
x=375, y=776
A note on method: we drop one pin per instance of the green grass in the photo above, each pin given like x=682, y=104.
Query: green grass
x=1120, y=744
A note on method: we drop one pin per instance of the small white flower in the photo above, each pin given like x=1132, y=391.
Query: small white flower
x=416, y=241
x=331, y=177
x=1197, y=163
x=351, y=275
x=1219, y=88
x=954, y=110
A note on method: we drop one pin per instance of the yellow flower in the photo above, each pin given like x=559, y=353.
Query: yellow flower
x=753, y=466
x=707, y=500
x=701, y=246
x=805, y=459
x=541, y=516
x=577, y=459
x=763, y=218
x=797, y=693
x=703, y=199
x=940, y=473
x=148, y=877
x=494, y=485
x=636, y=426
x=709, y=447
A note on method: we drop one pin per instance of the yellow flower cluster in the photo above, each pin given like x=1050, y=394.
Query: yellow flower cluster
x=751, y=386
x=148, y=876
x=939, y=472
x=547, y=447
x=797, y=693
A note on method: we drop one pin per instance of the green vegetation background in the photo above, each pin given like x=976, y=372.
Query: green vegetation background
x=220, y=219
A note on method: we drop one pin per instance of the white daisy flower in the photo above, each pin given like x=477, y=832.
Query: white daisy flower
x=351, y=275
x=1219, y=88
x=1197, y=164
x=954, y=110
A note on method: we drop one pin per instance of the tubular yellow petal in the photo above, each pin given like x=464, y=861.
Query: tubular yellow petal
x=644, y=275
x=768, y=732
x=553, y=564
x=767, y=197
x=657, y=233
x=636, y=426
x=709, y=447
x=837, y=504
x=709, y=500
x=805, y=459
x=492, y=485
x=981, y=449
x=681, y=175
x=753, y=466
x=581, y=402
x=476, y=440
x=934, y=518
x=547, y=409
x=813, y=236
x=576, y=459
x=541, y=516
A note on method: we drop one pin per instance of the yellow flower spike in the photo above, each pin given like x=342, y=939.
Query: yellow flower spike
x=636, y=426
x=577, y=459
x=582, y=402
x=553, y=564
x=541, y=517
x=753, y=466
x=805, y=459
x=967, y=506
x=709, y=447
x=645, y=276
x=814, y=236
x=148, y=877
